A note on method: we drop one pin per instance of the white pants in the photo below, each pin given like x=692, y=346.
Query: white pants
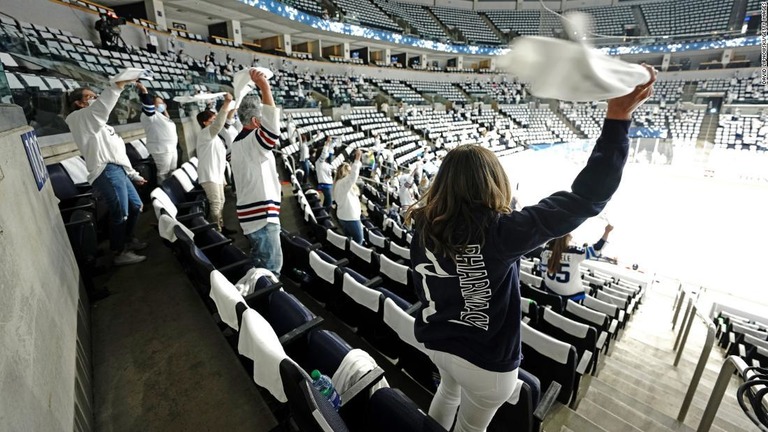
x=474, y=392
x=215, y=194
x=165, y=163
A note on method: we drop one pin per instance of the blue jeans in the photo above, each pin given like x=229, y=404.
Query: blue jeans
x=123, y=202
x=326, y=188
x=305, y=167
x=265, y=248
x=353, y=229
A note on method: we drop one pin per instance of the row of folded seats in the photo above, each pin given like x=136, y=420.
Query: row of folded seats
x=84, y=213
x=743, y=337
x=371, y=290
x=277, y=337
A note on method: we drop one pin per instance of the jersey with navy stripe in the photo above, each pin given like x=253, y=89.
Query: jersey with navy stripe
x=253, y=165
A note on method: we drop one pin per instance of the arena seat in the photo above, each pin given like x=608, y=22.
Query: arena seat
x=550, y=360
x=580, y=336
x=391, y=410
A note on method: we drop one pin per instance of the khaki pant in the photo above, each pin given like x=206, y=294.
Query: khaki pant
x=215, y=194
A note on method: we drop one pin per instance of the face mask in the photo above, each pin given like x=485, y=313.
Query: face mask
x=160, y=108
x=90, y=101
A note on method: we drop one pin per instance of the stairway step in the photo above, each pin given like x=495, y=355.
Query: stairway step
x=683, y=371
x=670, y=404
x=604, y=418
x=640, y=415
x=561, y=416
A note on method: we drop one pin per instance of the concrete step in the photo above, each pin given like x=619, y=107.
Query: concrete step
x=606, y=419
x=561, y=416
x=640, y=415
x=669, y=403
x=662, y=369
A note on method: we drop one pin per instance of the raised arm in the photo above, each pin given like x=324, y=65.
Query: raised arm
x=563, y=211
x=344, y=185
x=99, y=111
x=147, y=101
x=215, y=128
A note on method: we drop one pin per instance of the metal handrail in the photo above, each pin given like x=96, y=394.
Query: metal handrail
x=732, y=364
x=701, y=364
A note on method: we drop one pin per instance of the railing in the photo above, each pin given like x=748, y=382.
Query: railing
x=732, y=364
x=692, y=312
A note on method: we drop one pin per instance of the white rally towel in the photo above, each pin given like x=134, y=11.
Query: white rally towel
x=226, y=297
x=242, y=83
x=259, y=343
x=132, y=74
x=353, y=367
x=198, y=97
x=247, y=284
x=75, y=167
x=570, y=71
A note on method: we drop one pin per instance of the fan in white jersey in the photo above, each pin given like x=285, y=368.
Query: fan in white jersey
x=561, y=262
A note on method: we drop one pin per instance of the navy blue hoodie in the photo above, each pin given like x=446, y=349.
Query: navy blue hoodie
x=471, y=308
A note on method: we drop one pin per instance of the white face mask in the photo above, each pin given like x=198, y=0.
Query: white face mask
x=90, y=101
x=161, y=108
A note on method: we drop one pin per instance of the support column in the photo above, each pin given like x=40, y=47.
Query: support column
x=387, y=56
x=234, y=32
x=727, y=57
x=317, y=49
x=460, y=62
x=156, y=12
x=665, y=62
x=287, y=45
x=345, y=49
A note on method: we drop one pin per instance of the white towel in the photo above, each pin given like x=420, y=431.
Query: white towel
x=259, y=343
x=323, y=269
x=198, y=97
x=132, y=74
x=247, y=283
x=165, y=228
x=570, y=71
x=141, y=148
x=361, y=294
x=226, y=297
x=242, y=83
x=353, y=367
x=75, y=167
x=393, y=270
x=402, y=324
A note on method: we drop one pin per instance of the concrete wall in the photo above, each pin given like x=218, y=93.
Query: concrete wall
x=39, y=283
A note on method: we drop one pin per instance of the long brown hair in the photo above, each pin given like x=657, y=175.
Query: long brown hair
x=557, y=247
x=450, y=215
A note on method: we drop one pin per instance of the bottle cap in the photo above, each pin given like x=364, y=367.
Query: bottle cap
x=315, y=374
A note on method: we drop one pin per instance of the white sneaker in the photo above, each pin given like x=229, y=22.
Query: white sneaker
x=127, y=258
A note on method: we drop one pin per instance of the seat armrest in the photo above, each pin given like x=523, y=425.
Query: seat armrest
x=217, y=244
x=547, y=400
x=362, y=385
x=205, y=227
x=301, y=330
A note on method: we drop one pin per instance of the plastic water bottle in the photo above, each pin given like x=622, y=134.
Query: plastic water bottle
x=324, y=385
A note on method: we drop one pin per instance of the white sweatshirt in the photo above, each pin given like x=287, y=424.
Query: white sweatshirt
x=347, y=201
x=253, y=164
x=161, y=133
x=211, y=153
x=97, y=141
x=324, y=169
